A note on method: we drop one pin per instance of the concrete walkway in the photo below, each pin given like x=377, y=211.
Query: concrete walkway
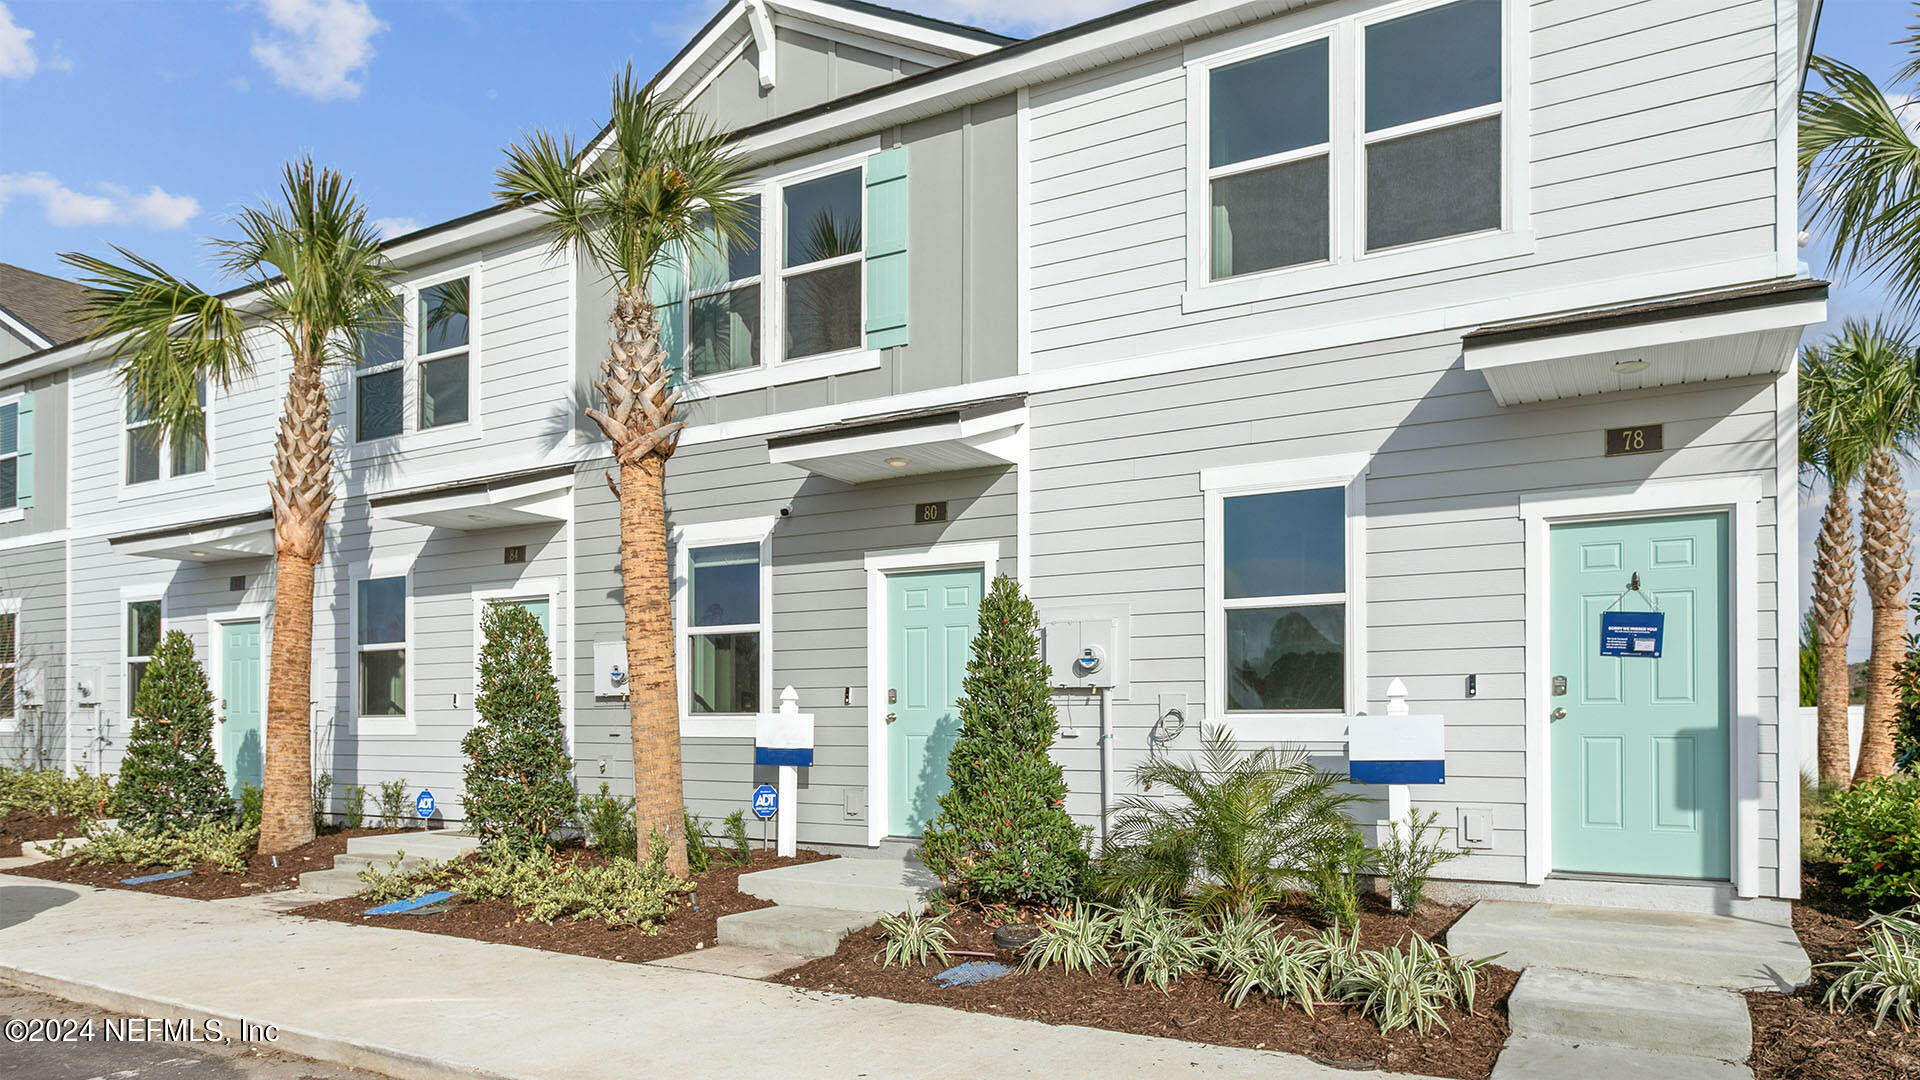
x=418, y=1005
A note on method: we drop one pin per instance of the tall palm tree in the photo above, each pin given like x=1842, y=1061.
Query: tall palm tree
x=666, y=182
x=1873, y=418
x=1826, y=450
x=317, y=281
x=1860, y=171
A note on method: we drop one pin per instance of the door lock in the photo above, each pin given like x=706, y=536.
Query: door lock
x=891, y=718
x=1559, y=685
x=893, y=697
x=1559, y=714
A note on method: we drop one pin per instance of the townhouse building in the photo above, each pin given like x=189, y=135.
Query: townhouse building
x=1300, y=347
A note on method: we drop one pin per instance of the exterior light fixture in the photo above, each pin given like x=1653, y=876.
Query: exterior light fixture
x=1628, y=367
x=897, y=462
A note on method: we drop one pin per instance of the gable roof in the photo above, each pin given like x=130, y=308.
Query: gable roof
x=48, y=307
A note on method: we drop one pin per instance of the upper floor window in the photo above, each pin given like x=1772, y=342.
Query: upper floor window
x=1269, y=160
x=433, y=342
x=152, y=451
x=723, y=290
x=9, y=455
x=820, y=264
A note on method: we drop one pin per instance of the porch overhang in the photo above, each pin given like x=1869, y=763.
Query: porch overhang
x=238, y=536
x=944, y=438
x=1749, y=329
x=528, y=497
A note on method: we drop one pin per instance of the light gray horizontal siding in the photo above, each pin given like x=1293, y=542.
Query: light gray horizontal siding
x=49, y=509
x=35, y=577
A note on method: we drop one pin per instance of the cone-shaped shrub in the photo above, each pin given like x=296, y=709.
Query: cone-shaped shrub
x=169, y=780
x=1002, y=834
x=519, y=777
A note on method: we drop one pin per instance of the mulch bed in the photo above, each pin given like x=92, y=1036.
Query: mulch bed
x=16, y=829
x=1334, y=1035
x=206, y=882
x=1795, y=1037
x=716, y=892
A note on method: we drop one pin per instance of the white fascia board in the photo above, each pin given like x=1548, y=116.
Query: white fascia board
x=1645, y=335
x=26, y=333
x=719, y=35
x=881, y=28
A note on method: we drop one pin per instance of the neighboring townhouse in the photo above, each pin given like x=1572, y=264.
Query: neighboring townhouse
x=1299, y=348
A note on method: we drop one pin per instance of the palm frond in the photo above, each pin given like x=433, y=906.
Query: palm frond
x=1860, y=170
x=1860, y=394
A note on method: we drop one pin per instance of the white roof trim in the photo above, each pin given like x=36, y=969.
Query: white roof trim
x=32, y=337
x=761, y=23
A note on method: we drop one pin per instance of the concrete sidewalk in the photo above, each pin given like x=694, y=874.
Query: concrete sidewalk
x=418, y=1005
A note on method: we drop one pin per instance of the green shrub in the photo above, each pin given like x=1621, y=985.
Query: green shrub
x=1409, y=985
x=252, y=798
x=1160, y=945
x=1003, y=834
x=1407, y=858
x=322, y=796
x=737, y=838
x=620, y=892
x=385, y=884
x=393, y=803
x=1227, y=842
x=50, y=791
x=1885, y=972
x=911, y=938
x=169, y=779
x=1077, y=939
x=607, y=821
x=519, y=785
x=353, y=806
x=699, y=857
x=1333, y=874
x=1872, y=833
x=221, y=843
x=1285, y=968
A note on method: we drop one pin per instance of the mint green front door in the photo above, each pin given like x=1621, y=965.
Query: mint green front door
x=931, y=618
x=241, y=748
x=1640, y=756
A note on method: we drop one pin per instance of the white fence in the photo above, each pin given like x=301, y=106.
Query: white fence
x=1810, y=737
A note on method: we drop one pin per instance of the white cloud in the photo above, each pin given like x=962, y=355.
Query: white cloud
x=59, y=61
x=108, y=204
x=315, y=47
x=1907, y=108
x=16, y=48
x=390, y=227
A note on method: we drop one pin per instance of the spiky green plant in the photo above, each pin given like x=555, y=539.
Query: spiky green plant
x=1885, y=972
x=1283, y=967
x=1333, y=876
x=1230, y=943
x=911, y=938
x=1407, y=857
x=1405, y=986
x=1160, y=944
x=1078, y=939
x=1231, y=838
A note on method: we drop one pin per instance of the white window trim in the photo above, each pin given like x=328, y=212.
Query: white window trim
x=715, y=534
x=166, y=481
x=217, y=678
x=1346, y=471
x=530, y=589
x=773, y=367
x=130, y=595
x=10, y=605
x=382, y=725
x=412, y=436
x=1350, y=263
x=16, y=512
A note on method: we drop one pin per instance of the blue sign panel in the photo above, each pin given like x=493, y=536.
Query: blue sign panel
x=782, y=755
x=423, y=805
x=1397, y=772
x=766, y=801
x=1632, y=633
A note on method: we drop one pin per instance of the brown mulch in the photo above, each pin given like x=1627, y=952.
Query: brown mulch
x=715, y=893
x=1334, y=1035
x=16, y=829
x=1795, y=1037
x=264, y=873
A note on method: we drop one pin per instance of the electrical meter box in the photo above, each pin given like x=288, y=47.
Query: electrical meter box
x=1086, y=648
x=610, y=669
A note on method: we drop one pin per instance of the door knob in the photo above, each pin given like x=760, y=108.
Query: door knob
x=891, y=718
x=1559, y=714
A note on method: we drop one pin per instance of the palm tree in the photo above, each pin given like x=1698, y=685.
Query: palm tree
x=1872, y=417
x=1825, y=449
x=1860, y=170
x=666, y=181
x=317, y=280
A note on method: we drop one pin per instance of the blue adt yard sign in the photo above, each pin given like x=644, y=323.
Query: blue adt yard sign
x=1632, y=633
x=766, y=802
x=423, y=805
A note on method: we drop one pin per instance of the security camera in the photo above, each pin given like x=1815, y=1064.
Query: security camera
x=786, y=510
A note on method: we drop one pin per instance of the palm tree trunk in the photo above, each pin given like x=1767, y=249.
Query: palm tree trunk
x=302, y=490
x=1833, y=573
x=1886, y=555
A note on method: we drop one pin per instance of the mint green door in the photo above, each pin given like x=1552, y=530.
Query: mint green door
x=1640, y=756
x=931, y=617
x=240, y=736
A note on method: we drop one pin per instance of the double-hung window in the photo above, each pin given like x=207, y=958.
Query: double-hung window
x=441, y=327
x=426, y=352
x=380, y=384
x=1285, y=595
x=143, y=638
x=9, y=664
x=152, y=451
x=723, y=593
x=10, y=455
x=723, y=290
x=820, y=266
x=1269, y=161
x=380, y=639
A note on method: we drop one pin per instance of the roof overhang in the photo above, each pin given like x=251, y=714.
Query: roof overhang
x=240, y=536
x=1697, y=337
x=529, y=497
x=945, y=438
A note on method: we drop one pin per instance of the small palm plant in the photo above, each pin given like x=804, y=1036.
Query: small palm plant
x=1885, y=972
x=1238, y=827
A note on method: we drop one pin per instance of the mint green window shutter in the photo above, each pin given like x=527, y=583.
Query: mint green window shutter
x=887, y=249
x=23, y=483
x=666, y=287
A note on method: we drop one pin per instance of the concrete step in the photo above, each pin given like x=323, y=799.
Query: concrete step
x=1669, y=1018
x=735, y=960
x=358, y=862
x=48, y=850
x=280, y=902
x=1744, y=953
x=795, y=931
x=430, y=845
x=332, y=883
x=880, y=886
x=1536, y=1057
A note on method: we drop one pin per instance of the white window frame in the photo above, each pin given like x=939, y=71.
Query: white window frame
x=411, y=434
x=16, y=512
x=1350, y=263
x=772, y=367
x=167, y=480
x=382, y=725
x=129, y=596
x=758, y=278
x=10, y=720
x=719, y=534
x=1347, y=471
x=531, y=589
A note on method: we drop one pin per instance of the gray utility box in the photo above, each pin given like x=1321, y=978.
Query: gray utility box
x=1087, y=648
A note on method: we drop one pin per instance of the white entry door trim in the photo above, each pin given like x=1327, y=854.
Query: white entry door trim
x=216, y=651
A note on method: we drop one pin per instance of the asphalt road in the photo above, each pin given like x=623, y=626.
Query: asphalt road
x=99, y=1059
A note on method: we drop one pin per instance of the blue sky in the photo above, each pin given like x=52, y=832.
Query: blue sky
x=140, y=123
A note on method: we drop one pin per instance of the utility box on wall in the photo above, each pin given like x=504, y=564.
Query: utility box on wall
x=610, y=669
x=1087, y=648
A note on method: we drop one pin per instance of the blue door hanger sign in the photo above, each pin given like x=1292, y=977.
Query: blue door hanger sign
x=1632, y=633
x=766, y=802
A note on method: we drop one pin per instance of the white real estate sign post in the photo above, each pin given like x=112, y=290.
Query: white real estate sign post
x=785, y=739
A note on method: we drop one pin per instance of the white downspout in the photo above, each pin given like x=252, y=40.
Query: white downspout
x=1106, y=761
